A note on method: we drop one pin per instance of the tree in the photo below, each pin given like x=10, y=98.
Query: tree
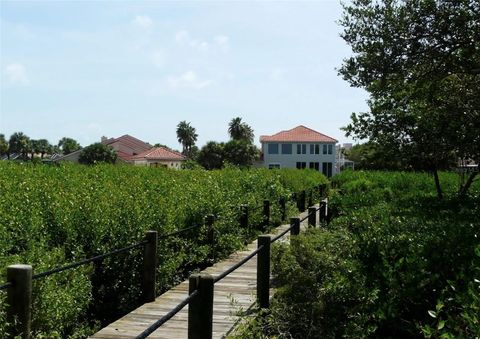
x=211, y=155
x=420, y=62
x=19, y=143
x=3, y=145
x=371, y=156
x=96, y=153
x=42, y=146
x=239, y=130
x=240, y=153
x=186, y=136
x=68, y=145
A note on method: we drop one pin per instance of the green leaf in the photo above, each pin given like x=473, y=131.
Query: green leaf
x=441, y=324
x=433, y=314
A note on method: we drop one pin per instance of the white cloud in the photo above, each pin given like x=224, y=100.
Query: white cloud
x=16, y=74
x=188, y=79
x=143, y=21
x=185, y=39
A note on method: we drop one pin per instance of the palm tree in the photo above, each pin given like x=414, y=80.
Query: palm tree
x=239, y=130
x=68, y=145
x=19, y=143
x=186, y=136
x=42, y=146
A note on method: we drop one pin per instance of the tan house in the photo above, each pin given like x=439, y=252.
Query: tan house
x=126, y=146
x=159, y=157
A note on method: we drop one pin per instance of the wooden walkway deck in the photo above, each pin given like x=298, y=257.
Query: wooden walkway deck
x=234, y=293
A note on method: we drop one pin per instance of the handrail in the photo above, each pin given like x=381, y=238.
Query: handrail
x=237, y=265
x=87, y=261
x=167, y=316
x=9, y=284
x=281, y=234
x=6, y=285
x=308, y=214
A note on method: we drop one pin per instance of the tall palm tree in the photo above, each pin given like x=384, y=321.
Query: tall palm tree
x=186, y=136
x=239, y=130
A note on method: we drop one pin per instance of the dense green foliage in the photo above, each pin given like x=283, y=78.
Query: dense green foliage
x=52, y=215
x=97, y=153
x=395, y=262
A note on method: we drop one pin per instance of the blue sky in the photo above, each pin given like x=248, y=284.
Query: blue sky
x=84, y=69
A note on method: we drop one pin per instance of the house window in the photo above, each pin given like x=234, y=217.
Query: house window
x=286, y=148
x=325, y=149
x=327, y=169
x=330, y=149
x=301, y=148
x=314, y=165
x=272, y=166
x=301, y=165
x=314, y=149
x=272, y=148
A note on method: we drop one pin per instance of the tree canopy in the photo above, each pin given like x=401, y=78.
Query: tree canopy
x=239, y=130
x=68, y=145
x=420, y=62
x=19, y=143
x=96, y=153
x=3, y=145
x=186, y=135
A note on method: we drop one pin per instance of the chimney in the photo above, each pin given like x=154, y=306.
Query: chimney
x=103, y=139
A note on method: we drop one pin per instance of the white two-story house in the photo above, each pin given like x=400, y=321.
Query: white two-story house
x=300, y=147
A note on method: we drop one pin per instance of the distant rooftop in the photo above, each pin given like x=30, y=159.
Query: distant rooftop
x=298, y=134
x=159, y=153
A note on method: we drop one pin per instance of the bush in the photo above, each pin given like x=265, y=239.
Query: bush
x=394, y=262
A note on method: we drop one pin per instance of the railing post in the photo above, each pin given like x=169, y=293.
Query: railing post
x=283, y=209
x=301, y=201
x=312, y=216
x=295, y=222
x=328, y=216
x=323, y=211
x=150, y=266
x=244, y=216
x=209, y=221
x=200, y=309
x=266, y=213
x=263, y=271
x=19, y=299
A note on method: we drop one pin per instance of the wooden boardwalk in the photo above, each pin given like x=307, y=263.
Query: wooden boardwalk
x=234, y=293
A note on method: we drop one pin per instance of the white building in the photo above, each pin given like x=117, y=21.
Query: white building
x=300, y=147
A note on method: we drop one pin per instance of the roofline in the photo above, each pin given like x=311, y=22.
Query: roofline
x=269, y=136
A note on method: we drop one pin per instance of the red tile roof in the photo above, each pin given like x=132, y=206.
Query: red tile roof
x=128, y=141
x=124, y=156
x=159, y=153
x=298, y=134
